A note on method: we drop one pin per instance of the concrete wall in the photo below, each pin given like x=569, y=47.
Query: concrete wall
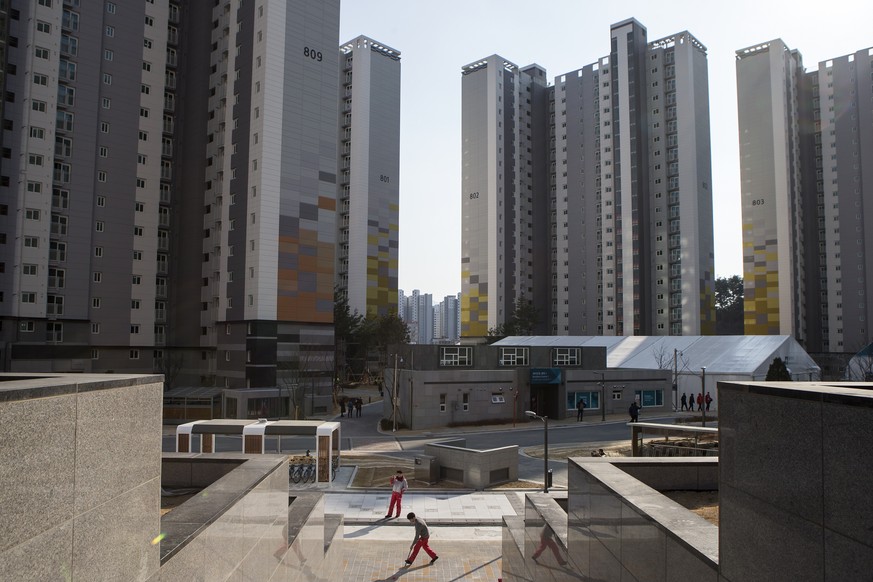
x=477, y=466
x=80, y=485
x=622, y=529
x=795, y=481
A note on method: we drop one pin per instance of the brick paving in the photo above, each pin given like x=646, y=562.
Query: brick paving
x=382, y=561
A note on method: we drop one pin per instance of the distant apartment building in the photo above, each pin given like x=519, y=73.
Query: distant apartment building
x=169, y=189
x=369, y=176
x=429, y=323
x=590, y=198
x=806, y=157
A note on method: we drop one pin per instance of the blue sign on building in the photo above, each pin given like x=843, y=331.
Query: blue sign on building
x=545, y=375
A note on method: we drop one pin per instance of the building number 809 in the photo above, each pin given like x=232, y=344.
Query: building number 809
x=312, y=53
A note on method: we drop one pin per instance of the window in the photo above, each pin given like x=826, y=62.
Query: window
x=28, y=269
x=146, y=66
x=60, y=198
x=54, y=305
x=28, y=297
x=137, y=231
x=37, y=132
x=136, y=279
x=97, y=277
x=101, y=176
x=54, y=332
x=591, y=399
x=70, y=20
x=99, y=226
x=147, y=43
x=442, y=402
x=66, y=96
x=41, y=53
x=38, y=106
x=513, y=357
x=31, y=242
x=69, y=45
x=110, y=31
x=26, y=326
x=67, y=70
x=149, y=21
x=59, y=224
x=107, y=79
x=465, y=401
x=134, y=354
x=34, y=159
x=110, y=7
x=31, y=214
x=104, y=126
x=43, y=27
x=40, y=80
x=456, y=355
x=98, y=251
x=57, y=251
x=101, y=201
x=137, y=255
x=57, y=277
x=63, y=146
x=96, y=302
x=134, y=328
x=650, y=397
x=95, y=328
x=108, y=55
x=34, y=187
x=134, y=303
x=140, y=183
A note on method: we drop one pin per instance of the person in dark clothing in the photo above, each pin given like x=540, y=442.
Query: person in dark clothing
x=684, y=402
x=358, y=405
x=580, y=410
x=634, y=411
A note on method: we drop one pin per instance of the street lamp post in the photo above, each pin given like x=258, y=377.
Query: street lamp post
x=703, y=394
x=602, y=396
x=545, y=420
x=394, y=397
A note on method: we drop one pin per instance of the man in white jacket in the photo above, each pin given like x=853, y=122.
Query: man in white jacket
x=398, y=486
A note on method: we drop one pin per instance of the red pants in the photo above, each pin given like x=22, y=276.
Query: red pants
x=548, y=542
x=395, y=498
x=421, y=543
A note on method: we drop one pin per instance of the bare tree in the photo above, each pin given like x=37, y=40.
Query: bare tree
x=301, y=373
x=170, y=365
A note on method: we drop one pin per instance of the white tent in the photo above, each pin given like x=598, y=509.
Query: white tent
x=725, y=357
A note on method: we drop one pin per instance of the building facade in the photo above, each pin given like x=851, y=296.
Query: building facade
x=369, y=176
x=806, y=145
x=590, y=198
x=128, y=124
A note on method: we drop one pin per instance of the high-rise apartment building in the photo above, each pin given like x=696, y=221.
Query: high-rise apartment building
x=590, y=198
x=169, y=193
x=369, y=176
x=806, y=157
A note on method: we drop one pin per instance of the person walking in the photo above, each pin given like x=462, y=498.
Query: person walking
x=358, y=405
x=422, y=534
x=700, y=402
x=350, y=405
x=580, y=410
x=398, y=486
x=684, y=402
x=708, y=401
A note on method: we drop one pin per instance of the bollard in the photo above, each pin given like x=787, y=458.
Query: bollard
x=550, y=478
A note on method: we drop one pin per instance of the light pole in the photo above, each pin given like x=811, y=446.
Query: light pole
x=394, y=397
x=545, y=420
x=703, y=394
x=602, y=396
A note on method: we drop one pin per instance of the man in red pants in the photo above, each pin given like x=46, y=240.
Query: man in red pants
x=398, y=486
x=422, y=534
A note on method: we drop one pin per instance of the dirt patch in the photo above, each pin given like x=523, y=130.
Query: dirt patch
x=703, y=503
x=566, y=452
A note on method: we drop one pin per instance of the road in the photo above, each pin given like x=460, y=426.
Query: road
x=362, y=434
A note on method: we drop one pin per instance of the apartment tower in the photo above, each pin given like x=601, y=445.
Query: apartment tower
x=806, y=147
x=169, y=197
x=369, y=176
x=602, y=180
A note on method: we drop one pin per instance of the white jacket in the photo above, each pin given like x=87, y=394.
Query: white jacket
x=398, y=485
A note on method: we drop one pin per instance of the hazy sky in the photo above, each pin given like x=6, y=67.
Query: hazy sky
x=437, y=38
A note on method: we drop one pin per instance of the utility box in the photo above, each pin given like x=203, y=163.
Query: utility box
x=427, y=469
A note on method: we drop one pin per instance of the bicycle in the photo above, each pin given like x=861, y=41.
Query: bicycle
x=295, y=472
x=308, y=473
